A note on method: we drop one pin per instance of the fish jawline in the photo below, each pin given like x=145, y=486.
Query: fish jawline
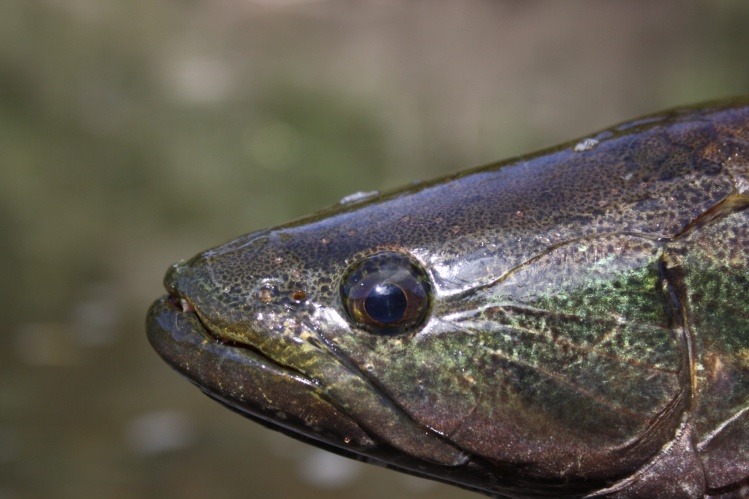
x=249, y=383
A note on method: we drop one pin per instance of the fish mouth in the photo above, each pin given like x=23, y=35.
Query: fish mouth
x=330, y=401
x=244, y=380
x=248, y=382
x=181, y=303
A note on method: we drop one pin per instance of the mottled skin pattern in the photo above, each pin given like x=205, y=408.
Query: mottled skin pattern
x=587, y=329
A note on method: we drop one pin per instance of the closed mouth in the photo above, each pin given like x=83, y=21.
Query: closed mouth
x=181, y=304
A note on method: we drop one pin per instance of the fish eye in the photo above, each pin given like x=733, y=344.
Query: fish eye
x=386, y=293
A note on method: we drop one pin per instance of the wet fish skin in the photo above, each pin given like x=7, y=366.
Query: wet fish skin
x=584, y=331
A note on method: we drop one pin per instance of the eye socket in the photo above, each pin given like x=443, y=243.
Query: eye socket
x=386, y=293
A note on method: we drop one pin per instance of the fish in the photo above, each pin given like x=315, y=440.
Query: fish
x=569, y=323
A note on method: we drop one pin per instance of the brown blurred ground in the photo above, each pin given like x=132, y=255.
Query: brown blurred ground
x=134, y=133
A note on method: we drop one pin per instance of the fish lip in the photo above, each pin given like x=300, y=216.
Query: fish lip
x=182, y=304
x=175, y=315
x=249, y=382
x=176, y=330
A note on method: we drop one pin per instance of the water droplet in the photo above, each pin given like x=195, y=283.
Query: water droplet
x=586, y=145
x=357, y=197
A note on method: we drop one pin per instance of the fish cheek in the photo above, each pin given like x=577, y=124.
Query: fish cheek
x=430, y=379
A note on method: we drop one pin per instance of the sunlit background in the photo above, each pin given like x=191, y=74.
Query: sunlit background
x=134, y=133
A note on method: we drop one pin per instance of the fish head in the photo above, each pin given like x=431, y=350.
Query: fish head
x=363, y=332
x=518, y=328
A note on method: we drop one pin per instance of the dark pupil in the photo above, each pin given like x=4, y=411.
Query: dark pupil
x=386, y=303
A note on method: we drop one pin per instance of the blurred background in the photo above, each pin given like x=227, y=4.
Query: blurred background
x=134, y=133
